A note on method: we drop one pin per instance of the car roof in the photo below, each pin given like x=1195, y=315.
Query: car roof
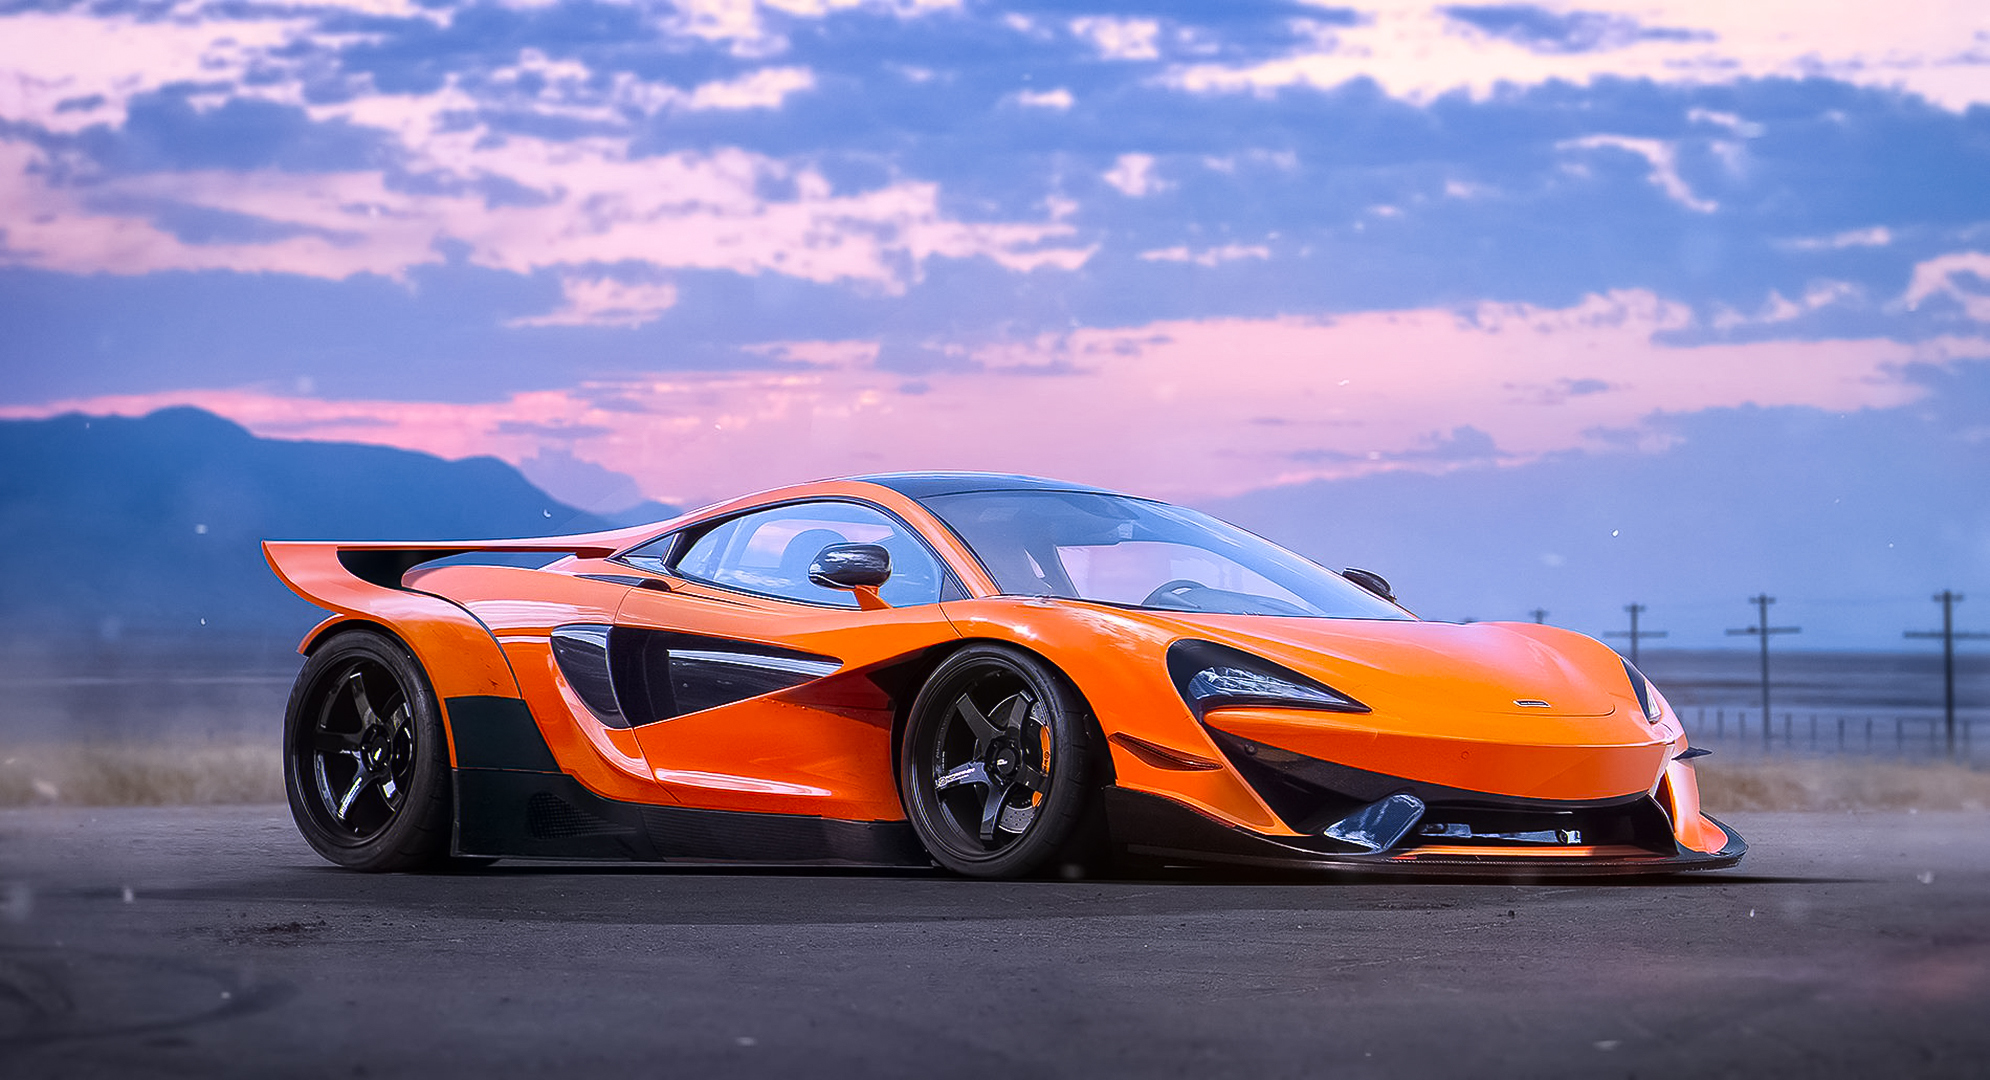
x=922, y=485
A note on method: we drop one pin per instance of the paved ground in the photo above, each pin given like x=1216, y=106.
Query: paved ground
x=211, y=942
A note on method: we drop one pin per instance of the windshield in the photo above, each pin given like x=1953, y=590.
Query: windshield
x=1119, y=550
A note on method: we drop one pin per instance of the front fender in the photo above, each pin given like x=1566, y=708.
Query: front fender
x=1118, y=661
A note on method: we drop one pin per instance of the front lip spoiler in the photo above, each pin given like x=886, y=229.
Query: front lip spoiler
x=1140, y=821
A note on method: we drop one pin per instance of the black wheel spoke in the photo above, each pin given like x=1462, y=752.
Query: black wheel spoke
x=335, y=742
x=361, y=780
x=984, y=732
x=974, y=772
x=1033, y=778
x=355, y=686
x=1014, y=711
x=991, y=811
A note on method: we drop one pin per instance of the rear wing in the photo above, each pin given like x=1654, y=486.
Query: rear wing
x=325, y=571
x=362, y=581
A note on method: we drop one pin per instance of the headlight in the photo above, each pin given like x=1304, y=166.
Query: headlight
x=1211, y=676
x=1648, y=699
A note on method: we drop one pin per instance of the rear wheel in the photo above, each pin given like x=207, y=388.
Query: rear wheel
x=365, y=763
x=995, y=763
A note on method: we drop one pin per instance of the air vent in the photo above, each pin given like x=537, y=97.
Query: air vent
x=581, y=650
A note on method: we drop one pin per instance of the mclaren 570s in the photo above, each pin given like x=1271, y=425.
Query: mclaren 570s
x=1004, y=675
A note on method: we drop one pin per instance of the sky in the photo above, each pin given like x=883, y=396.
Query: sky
x=682, y=250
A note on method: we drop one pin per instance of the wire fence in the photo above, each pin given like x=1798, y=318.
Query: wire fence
x=1742, y=732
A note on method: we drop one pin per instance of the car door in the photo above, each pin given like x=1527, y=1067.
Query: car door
x=754, y=689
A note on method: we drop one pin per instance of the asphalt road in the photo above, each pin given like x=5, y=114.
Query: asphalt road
x=212, y=942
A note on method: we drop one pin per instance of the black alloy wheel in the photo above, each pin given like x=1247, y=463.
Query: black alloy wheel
x=364, y=763
x=995, y=763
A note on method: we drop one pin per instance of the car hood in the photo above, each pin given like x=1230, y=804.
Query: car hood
x=1396, y=666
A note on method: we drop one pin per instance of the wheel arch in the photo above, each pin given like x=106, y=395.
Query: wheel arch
x=339, y=624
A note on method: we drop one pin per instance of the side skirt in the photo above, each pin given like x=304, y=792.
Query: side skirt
x=512, y=801
x=547, y=815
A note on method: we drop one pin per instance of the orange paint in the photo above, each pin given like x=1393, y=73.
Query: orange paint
x=1445, y=702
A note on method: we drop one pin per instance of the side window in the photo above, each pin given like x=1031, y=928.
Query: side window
x=769, y=551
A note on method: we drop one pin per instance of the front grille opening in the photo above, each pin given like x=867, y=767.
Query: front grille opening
x=1636, y=824
x=1458, y=830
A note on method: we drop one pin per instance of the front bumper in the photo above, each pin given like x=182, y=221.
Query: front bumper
x=1154, y=826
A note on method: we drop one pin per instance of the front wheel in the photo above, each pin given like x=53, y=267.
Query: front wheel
x=365, y=763
x=995, y=763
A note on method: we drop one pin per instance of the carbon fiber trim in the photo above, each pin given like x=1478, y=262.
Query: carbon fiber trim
x=497, y=733
x=511, y=814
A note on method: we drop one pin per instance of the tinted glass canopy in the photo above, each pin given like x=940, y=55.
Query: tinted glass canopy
x=1115, y=549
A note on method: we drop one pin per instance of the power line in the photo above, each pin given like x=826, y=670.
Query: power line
x=1636, y=635
x=1949, y=634
x=1763, y=630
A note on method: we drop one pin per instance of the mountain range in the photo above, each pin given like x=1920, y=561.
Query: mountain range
x=113, y=526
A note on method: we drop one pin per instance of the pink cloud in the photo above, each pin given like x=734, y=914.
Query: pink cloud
x=1415, y=51
x=1951, y=276
x=599, y=202
x=676, y=211
x=1213, y=406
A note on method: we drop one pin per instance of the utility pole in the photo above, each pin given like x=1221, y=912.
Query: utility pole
x=1948, y=634
x=1540, y=615
x=1635, y=634
x=1765, y=631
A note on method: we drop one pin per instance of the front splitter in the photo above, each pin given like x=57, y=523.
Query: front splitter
x=1157, y=827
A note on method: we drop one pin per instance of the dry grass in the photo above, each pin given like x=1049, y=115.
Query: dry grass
x=175, y=775
x=203, y=774
x=1840, y=784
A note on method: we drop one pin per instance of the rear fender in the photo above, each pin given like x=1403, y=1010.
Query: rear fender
x=360, y=583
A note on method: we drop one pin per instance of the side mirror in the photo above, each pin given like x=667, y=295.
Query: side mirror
x=857, y=567
x=1370, y=580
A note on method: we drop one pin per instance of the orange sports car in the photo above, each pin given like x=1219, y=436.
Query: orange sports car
x=1004, y=675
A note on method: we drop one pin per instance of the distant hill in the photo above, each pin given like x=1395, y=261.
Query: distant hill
x=112, y=526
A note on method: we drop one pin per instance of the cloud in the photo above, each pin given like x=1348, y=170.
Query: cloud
x=1216, y=406
x=1543, y=31
x=1661, y=156
x=1419, y=52
x=521, y=165
x=1059, y=99
x=744, y=25
x=1778, y=308
x=1962, y=277
x=1120, y=39
x=65, y=71
x=598, y=205
x=1876, y=236
x=604, y=301
x=1208, y=256
x=1133, y=176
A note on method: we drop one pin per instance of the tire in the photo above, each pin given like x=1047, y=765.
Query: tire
x=996, y=763
x=365, y=760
